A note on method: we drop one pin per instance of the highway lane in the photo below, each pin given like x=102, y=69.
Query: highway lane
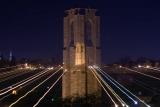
x=10, y=68
x=140, y=85
x=9, y=98
x=10, y=73
x=21, y=75
x=20, y=83
x=37, y=91
x=108, y=90
x=6, y=85
x=128, y=97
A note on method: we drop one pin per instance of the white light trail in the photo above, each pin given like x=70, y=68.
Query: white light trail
x=23, y=81
x=10, y=88
x=48, y=90
x=11, y=77
x=24, y=86
x=11, y=66
x=5, y=96
x=122, y=86
x=152, y=68
x=142, y=73
x=34, y=88
x=113, y=92
x=115, y=104
x=9, y=72
x=156, y=68
x=111, y=80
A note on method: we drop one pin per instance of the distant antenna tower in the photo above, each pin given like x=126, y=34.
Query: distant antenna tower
x=10, y=56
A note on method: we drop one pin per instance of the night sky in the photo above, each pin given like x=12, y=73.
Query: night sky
x=34, y=28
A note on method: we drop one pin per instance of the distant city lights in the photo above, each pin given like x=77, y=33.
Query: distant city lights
x=139, y=66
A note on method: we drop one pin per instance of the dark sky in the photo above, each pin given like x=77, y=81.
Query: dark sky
x=34, y=28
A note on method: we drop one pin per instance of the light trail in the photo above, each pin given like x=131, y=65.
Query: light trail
x=11, y=77
x=142, y=73
x=149, y=67
x=5, y=96
x=111, y=80
x=23, y=81
x=96, y=67
x=115, y=104
x=33, y=80
x=34, y=88
x=48, y=90
x=11, y=66
x=24, y=86
x=9, y=72
x=152, y=68
x=10, y=88
x=113, y=92
x=155, y=68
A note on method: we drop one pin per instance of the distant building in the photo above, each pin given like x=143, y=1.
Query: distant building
x=10, y=56
x=81, y=49
x=12, y=59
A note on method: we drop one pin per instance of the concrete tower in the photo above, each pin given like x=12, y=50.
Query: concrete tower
x=81, y=49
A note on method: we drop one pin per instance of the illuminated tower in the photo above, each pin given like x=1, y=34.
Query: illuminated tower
x=81, y=49
x=12, y=59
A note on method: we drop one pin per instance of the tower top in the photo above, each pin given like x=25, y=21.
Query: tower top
x=81, y=11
